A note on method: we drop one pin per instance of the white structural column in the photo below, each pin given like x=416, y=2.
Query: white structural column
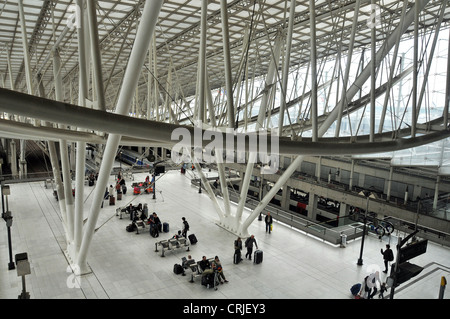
x=241, y=228
x=12, y=145
x=230, y=104
x=447, y=89
x=313, y=57
x=143, y=37
x=347, y=69
x=227, y=62
x=392, y=72
x=373, y=74
x=219, y=157
x=64, y=194
x=415, y=72
x=96, y=56
x=286, y=68
x=22, y=161
x=202, y=65
x=54, y=160
x=76, y=220
x=202, y=85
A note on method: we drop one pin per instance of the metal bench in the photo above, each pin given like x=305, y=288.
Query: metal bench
x=171, y=244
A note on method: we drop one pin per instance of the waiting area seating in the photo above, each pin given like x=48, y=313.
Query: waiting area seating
x=171, y=244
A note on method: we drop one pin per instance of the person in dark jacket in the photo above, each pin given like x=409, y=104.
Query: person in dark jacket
x=268, y=221
x=155, y=224
x=204, y=264
x=238, y=248
x=185, y=227
x=249, y=245
x=388, y=256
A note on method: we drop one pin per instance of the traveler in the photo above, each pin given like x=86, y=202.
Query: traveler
x=204, y=264
x=268, y=221
x=238, y=248
x=249, y=244
x=217, y=265
x=388, y=256
x=185, y=227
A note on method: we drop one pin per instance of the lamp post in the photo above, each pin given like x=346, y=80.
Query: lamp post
x=360, y=260
x=154, y=185
x=6, y=215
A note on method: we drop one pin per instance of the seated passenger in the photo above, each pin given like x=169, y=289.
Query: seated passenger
x=204, y=264
x=187, y=261
x=217, y=265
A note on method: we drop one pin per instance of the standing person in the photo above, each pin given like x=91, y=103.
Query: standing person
x=237, y=249
x=249, y=244
x=130, y=210
x=388, y=256
x=152, y=183
x=111, y=190
x=268, y=221
x=156, y=223
x=217, y=265
x=185, y=227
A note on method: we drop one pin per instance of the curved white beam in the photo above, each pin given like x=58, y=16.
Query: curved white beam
x=18, y=130
x=36, y=107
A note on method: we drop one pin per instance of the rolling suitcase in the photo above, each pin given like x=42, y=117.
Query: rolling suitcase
x=119, y=196
x=237, y=257
x=166, y=227
x=258, y=257
x=112, y=200
x=192, y=239
x=124, y=189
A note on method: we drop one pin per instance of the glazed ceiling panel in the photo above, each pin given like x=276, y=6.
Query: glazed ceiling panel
x=177, y=37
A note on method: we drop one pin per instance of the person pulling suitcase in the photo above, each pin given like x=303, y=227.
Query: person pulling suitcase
x=249, y=245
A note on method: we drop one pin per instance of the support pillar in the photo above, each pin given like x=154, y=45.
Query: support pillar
x=436, y=192
x=143, y=37
x=389, y=183
x=286, y=197
x=312, y=206
x=343, y=211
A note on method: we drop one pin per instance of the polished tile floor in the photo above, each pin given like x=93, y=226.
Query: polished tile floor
x=125, y=265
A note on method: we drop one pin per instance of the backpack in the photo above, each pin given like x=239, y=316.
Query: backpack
x=390, y=256
x=130, y=227
x=177, y=269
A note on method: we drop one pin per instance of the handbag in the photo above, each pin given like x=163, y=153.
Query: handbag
x=271, y=227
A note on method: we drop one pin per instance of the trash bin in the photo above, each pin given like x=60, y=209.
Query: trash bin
x=343, y=240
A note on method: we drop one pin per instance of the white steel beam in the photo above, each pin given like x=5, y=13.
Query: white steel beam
x=143, y=37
